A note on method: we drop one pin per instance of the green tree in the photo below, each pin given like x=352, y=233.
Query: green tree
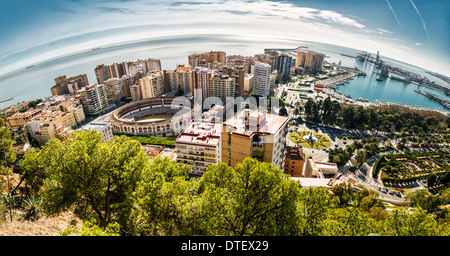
x=314, y=204
x=422, y=198
x=414, y=222
x=165, y=200
x=91, y=228
x=90, y=177
x=7, y=156
x=344, y=193
x=252, y=199
x=348, y=222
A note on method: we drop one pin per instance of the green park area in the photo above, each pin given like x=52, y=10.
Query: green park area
x=310, y=139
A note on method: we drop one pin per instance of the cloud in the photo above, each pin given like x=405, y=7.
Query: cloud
x=339, y=18
x=419, y=44
x=421, y=19
x=395, y=15
x=384, y=31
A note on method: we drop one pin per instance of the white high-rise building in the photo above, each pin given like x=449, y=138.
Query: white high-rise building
x=261, y=79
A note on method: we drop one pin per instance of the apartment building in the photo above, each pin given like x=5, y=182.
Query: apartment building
x=201, y=82
x=199, y=144
x=310, y=60
x=93, y=98
x=261, y=79
x=152, y=85
x=114, y=89
x=254, y=133
x=69, y=85
x=206, y=59
x=294, y=161
x=222, y=86
x=19, y=119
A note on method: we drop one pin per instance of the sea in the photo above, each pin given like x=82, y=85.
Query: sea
x=35, y=82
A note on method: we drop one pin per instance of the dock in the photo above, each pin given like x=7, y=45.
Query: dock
x=432, y=96
x=1, y=101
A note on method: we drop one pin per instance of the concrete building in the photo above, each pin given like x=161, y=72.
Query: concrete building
x=93, y=98
x=206, y=59
x=310, y=60
x=179, y=79
x=199, y=145
x=135, y=91
x=114, y=90
x=222, y=86
x=69, y=85
x=152, y=85
x=102, y=127
x=248, y=83
x=254, y=133
x=237, y=73
x=261, y=79
x=201, y=82
x=19, y=119
x=316, y=169
x=294, y=161
x=284, y=66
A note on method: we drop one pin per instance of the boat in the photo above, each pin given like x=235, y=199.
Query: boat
x=362, y=99
x=379, y=79
x=32, y=66
x=97, y=48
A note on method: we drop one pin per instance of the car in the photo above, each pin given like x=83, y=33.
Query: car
x=391, y=192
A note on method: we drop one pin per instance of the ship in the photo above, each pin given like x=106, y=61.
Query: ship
x=362, y=99
x=32, y=66
x=97, y=48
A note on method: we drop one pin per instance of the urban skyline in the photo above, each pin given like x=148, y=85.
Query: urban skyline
x=225, y=118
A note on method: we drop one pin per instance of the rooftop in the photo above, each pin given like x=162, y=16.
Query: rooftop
x=202, y=133
x=249, y=122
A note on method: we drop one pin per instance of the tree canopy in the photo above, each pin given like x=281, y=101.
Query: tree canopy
x=116, y=189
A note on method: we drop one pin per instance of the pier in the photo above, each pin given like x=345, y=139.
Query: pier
x=432, y=96
x=1, y=101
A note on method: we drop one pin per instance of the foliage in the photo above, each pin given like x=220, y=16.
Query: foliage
x=116, y=190
x=91, y=228
x=162, y=141
x=91, y=177
x=32, y=206
x=253, y=199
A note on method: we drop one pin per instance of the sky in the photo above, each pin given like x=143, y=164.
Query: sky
x=412, y=31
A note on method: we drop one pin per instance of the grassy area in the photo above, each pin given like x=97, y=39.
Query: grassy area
x=323, y=141
x=162, y=141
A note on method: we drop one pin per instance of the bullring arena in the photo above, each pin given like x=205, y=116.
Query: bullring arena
x=151, y=117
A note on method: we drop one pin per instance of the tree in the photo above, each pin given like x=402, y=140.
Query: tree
x=344, y=193
x=165, y=200
x=254, y=198
x=422, y=198
x=7, y=156
x=314, y=204
x=348, y=222
x=91, y=177
x=415, y=222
